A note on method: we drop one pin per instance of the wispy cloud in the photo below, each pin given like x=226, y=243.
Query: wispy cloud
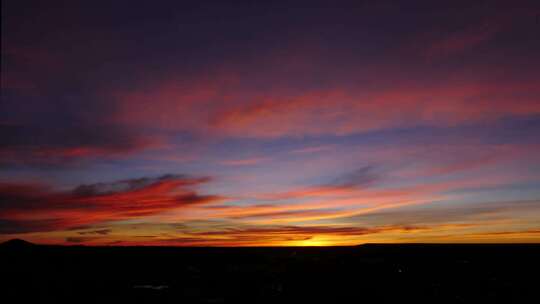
x=312, y=149
x=245, y=161
x=461, y=41
x=100, y=232
x=95, y=203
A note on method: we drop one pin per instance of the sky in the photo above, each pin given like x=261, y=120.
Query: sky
x=262, y=123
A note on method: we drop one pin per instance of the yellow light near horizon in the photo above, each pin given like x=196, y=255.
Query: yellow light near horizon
x=312, y=242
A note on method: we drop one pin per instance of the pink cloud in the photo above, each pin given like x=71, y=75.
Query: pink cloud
x=227, y=101
x=342, y=112
x=245, y=161
x=30, y=206
x=461, y=41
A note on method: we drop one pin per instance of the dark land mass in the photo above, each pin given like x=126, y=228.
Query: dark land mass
x=371, y=273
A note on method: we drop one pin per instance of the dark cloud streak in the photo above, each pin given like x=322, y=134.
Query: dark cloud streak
x=95, y=203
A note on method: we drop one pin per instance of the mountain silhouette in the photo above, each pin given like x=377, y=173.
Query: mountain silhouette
x=16, y=243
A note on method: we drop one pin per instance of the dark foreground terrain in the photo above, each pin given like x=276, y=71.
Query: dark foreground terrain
x=363, y=274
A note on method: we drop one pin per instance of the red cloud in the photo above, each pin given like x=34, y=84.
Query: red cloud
x=344, y=112
x=27, y=206
x=38, y=145
x=273, y=236
x=363, y=96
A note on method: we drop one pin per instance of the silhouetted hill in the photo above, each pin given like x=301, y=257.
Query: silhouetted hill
x=371, y=273
x=16, y=243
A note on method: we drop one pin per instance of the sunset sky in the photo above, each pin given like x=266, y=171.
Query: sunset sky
x=250, y=123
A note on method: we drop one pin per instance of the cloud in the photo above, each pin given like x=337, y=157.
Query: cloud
x=276, y=235
x=533, y=232
x=345, y=184
x=461, y=41
x=8, y=226
x=312, y=149
x=361, y=177
x=342, y=199
x=449, y=213
x=135, y=184
x=344, y=111
x=245, y=161
x=78, y=240
x=47, y=144
x=100, y=232
x=277, y=214
x=38, y=208
x=295, y=230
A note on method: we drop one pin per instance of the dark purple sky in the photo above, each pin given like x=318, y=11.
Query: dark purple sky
x=249, y=123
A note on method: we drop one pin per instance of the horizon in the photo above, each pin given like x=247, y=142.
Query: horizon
x=270, y=124
x=11, y=241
